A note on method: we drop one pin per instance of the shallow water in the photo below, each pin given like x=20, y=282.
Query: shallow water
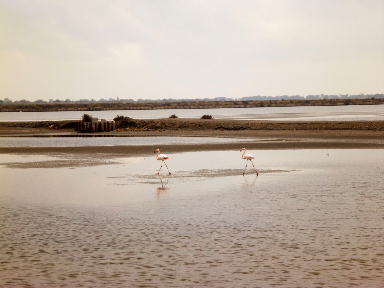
x=299, y=113
x=108, y=141
x=312, y=218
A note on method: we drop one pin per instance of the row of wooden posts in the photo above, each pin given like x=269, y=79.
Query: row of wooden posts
x=95, y=126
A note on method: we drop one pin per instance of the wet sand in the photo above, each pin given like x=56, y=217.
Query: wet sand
x=261, y=136
x=260, y=140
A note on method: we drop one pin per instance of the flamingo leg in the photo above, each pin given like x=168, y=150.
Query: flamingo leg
x=163, y=162
x=167, y=168
x=246, y=163
x=254, y=167
x=158, y=172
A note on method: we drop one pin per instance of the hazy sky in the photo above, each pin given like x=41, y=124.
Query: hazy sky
x=155, y=49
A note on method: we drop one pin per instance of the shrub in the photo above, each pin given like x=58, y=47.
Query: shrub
x=124, y=122
x=173, y=116
x=118, y=118
x=206, y=117
x=87, y=118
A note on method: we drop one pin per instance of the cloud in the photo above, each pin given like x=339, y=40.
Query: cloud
x=188, y=49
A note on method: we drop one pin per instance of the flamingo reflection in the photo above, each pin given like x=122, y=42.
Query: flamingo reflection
x=162, y=190
x=249, y=183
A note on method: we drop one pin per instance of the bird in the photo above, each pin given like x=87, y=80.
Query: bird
x=161, y=157
x=248, y=157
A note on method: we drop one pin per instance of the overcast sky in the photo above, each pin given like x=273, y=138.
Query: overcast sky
x=84, y=49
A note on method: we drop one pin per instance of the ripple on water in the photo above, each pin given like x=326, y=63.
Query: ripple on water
x=313, y=227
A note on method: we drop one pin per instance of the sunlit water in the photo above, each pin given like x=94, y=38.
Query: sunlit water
x=312, y=218
x=108, y=141
x=300, y=113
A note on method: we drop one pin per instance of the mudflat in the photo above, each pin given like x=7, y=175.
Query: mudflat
x=259, y=134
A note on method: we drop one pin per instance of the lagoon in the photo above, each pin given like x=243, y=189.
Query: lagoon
x=299, y=113
x=312, y=218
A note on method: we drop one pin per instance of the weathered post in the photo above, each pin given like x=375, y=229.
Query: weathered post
x=93, y=124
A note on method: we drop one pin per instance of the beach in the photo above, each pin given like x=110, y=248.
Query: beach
x=261, y=135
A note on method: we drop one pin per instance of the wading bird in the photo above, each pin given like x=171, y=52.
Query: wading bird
x=248, y=157
x=161, y=157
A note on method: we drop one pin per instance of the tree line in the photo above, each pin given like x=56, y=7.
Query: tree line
x=46, y=107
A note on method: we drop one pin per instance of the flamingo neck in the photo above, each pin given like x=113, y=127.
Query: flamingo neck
x=243, y=154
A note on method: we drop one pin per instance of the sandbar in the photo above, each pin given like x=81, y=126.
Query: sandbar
x=260, y=135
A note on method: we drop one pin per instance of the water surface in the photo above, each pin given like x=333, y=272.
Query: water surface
x=312, y=218
x=109, y=141
x=299, y=113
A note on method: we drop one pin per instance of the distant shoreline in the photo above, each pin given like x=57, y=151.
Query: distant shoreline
x=157, y=105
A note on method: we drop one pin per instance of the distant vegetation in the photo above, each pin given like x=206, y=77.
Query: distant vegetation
x=206, y=117
x=124, y=122
x=173, y=116
x=97, y=106
x=87, y=118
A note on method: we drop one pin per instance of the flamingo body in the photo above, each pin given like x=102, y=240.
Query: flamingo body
x=161, y=157
x=248, y=157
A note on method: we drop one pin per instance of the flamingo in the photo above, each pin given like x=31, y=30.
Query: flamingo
x=161, y=157
x=248, y=157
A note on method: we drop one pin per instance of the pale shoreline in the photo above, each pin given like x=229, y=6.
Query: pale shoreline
x=257, y=140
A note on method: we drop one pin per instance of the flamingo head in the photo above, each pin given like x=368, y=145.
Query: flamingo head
x=242, y=149
x=157, y=150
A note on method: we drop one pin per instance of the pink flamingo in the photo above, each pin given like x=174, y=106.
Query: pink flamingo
x=161, y=157
x=248, y=157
